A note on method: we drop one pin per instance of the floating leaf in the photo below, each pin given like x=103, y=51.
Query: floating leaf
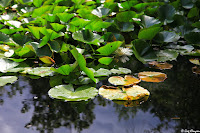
x=7, y=79
x=102, y=72
x=109, y=48
x=187, y=4
x=127, y=80
x=6, y=64
x=41, y=71
x=87, y=36
x=101, y=11
x=121, y=70
x=67, y=92
x=167, y=55
x=132, y=93
x=152, y=76
x=65, y=17
x=166, y=36
x=195, y=61
x=149, y=21
x=182, y=49
x=47, y=60
x=160, y=65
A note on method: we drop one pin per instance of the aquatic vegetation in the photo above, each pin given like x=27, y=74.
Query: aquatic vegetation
x=82, y=42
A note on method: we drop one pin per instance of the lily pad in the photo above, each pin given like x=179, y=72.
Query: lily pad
x=47, y=60
x=7, y=79
x=67, y=92
x=121, y=70
x=160, y=65
x=152, y=76
x=41, y=71
x=132, y=93
x=127, y=80
x=6, y=64
x=195, y=61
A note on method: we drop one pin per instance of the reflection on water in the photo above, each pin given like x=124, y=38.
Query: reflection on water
x=173, y=105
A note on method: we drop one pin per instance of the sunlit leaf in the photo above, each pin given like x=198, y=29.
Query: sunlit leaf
x=109, y=48
x=41, y=71
x=57, y=27
x=160, y=65
x=127, y=80
x=41, y=10
x=68, y=93
x=148, y=33
x=132, y=93
x=195, y=61
x=102, y=72
x=101, y=11
x=121, y=70
x=65, y=17
x=105, y=60
x=6, y=64
x=37, y=3
x=152, y=76
x=7, y=79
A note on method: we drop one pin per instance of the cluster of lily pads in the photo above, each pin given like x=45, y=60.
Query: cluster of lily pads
x=77, y=42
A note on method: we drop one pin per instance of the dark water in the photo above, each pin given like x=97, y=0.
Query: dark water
x=172, y=106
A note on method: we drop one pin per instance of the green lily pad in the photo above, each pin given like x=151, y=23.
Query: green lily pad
x=102, y=72
x=67, y=92
x=166, y=36
x=41, y=71
x=148, y=33
x=132, y=93
x=193, y=37
x=167, y=55
x=87, y=36
x=6, y=64
x=101, y=11
x=166, y=13
x=148, y=21
x=121, y=70
x=7, y=79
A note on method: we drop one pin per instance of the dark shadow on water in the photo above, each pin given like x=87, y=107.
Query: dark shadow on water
x=173, y=105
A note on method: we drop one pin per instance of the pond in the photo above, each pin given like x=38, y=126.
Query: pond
x=173, y=106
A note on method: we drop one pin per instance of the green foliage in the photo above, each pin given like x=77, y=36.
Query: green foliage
x=76, y=35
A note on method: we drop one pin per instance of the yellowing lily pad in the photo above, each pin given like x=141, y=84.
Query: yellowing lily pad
x=68, y=93
x=152, y=76
x=132, y=103
x=195, y=61
x=127, y=80
x=160, y=65
x=132, y=93
x=47, y=60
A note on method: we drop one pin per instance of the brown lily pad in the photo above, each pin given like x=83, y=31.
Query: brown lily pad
x=152, y=76
x=195, y=61
x=160, y=65
x=196, y=70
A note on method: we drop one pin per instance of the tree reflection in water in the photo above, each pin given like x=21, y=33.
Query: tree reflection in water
x=173, y=102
